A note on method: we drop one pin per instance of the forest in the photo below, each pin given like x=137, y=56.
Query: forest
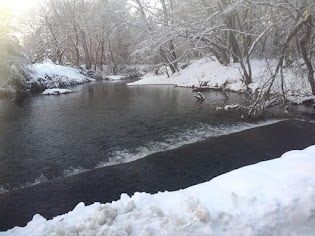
x=157, y=117
x=163, y=33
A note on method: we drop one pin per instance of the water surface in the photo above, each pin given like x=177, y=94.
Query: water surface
x=103, y=123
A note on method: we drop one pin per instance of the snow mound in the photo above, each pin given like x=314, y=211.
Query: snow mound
x=274, y=197
x=49, y=75
x=56, y=91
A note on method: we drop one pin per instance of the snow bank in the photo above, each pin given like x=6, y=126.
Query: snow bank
x=274, y=197
x=296, y=99
x=229, y=77
x=56, y=91
x=49, y=75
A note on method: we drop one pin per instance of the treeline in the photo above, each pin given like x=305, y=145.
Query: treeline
x=166, y=32
x=13, y=61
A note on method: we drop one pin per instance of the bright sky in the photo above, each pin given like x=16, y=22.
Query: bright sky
x=18, y=6
x=13, y=10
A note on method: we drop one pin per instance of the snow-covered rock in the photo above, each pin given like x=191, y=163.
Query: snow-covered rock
x=115, y=77
x=230, y=107
x=49, y=75
x=56, y=91
x=274, y=197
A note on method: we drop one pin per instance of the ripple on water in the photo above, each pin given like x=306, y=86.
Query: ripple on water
x=171, y=141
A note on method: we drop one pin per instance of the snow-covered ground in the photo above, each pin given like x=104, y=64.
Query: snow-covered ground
x=124, y=72
x=229, y=77
x=274, y=197
x=49, y=75
x=56, y=91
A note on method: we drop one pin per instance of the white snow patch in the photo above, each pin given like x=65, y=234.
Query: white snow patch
x=297, y=99
x=229, y=77
x=231, y=107
x=115, y=77
x=50, y=75
x=56, y=91
x=274, y=197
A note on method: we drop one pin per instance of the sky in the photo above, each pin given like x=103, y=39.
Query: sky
x=18, y=6
x=15, y=10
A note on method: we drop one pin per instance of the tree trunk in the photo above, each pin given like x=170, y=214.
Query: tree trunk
x=166, y=60
x=305, y=41
x=88, y=62
x=173, y=53
x=115, y=66
x=102, y=54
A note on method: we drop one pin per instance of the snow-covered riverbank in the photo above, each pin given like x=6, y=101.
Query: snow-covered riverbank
x=229, y=77
x=48, y=75
x=274, y=197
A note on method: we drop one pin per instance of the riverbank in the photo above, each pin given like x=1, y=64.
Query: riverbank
x=48, y=75
x=170, y=170
x=211, y=74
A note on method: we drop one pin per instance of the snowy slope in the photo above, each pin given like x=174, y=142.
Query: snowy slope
x=274, y=197
x=49, y=75
x=229, y=77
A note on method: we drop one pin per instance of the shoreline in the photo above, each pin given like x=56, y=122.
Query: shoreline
x=165, y=171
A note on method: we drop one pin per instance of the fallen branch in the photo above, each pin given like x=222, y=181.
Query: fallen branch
x=199, y=97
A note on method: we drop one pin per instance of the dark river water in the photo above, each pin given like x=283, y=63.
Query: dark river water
x=104, y=123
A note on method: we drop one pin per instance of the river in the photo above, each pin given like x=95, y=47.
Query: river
x=104, y=123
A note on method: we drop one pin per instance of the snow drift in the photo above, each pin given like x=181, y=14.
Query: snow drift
x=274, y=197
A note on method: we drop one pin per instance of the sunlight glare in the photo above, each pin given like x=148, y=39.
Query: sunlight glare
x=17, y=6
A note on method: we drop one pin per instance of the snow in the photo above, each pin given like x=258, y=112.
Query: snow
x=115, y=77
x=56, y=91
x=229, y=107
x=229, y=77
x=300, y=99
x=50, y=75
x=274, y=197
